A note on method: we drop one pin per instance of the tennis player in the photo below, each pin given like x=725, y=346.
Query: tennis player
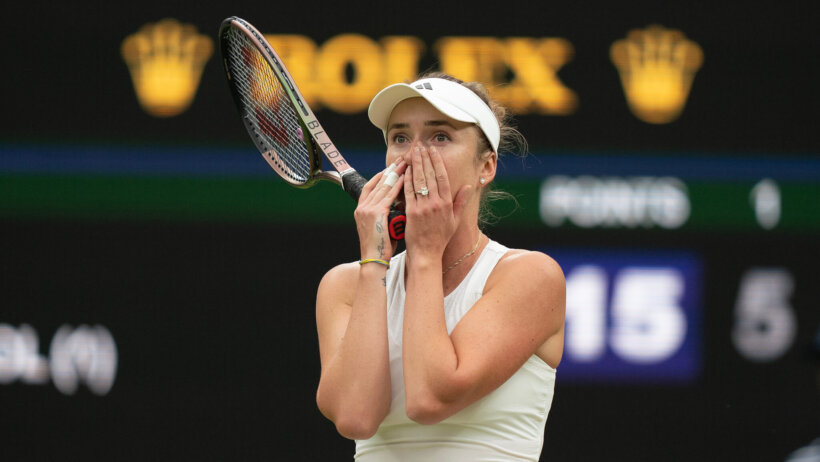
x=447, y=351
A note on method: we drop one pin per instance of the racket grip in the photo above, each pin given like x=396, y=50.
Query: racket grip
x=353, y=183
x=396, y=221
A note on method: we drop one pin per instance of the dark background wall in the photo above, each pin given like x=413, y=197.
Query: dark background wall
x=173, y=237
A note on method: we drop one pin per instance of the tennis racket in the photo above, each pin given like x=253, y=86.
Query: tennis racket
x=279, y=120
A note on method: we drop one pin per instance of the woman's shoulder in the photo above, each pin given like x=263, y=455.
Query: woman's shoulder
x=527, y=265
x=343, y=270
x=531, y=277
x=340, y=280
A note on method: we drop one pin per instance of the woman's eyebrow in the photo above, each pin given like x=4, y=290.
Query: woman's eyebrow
x=397, y=126
x=437, y=123
x=427, y=123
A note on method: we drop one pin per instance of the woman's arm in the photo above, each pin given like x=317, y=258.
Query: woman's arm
x=522, y=306
x=521, y=309
x=354, y=389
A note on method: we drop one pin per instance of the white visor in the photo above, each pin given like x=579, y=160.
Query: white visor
x=450, y=98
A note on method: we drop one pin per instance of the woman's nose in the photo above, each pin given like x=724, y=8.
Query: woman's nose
x=408, y=155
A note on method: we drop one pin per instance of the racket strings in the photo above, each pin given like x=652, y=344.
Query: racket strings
x=268, y=108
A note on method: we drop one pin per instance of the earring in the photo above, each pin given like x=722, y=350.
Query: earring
x=482, y=180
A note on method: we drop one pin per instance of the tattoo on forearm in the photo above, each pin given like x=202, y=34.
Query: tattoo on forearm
x=384, y=281
x=380, y=230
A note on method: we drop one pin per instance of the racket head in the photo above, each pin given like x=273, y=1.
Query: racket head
x=279, y=120
x=269, y=105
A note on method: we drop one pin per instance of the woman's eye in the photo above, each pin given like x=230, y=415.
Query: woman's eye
x=400, y=138
x=441, y=137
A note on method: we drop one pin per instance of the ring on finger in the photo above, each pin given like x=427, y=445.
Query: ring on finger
x=423, y=191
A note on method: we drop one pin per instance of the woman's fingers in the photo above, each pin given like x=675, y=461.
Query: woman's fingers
x=419, y=181
x=409, y=192
x=391, y=179
x=394, y=190
x=429, y=172
x=369, y=186
x=371, y=212
x=442, y=180
x=393, y=183
x=375, y=189
x=394, y=173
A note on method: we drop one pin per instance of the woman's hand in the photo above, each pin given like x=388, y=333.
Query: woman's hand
x=432, y=219
x=371, y=213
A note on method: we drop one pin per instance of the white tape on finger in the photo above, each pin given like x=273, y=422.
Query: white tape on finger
x=391, y=179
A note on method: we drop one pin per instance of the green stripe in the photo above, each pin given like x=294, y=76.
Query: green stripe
x=170, y=198
x=714, y=205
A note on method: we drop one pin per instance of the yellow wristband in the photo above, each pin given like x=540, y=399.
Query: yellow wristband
x=375, y=260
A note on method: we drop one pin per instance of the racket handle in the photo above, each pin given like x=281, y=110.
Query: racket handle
x=353, y=183
x=396, y=221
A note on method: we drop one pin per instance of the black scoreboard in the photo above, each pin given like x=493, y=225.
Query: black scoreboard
x=159, y=281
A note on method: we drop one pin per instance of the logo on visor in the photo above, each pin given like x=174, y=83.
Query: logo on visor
x=424, y=85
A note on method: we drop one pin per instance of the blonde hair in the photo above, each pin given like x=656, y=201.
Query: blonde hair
x=512, y=142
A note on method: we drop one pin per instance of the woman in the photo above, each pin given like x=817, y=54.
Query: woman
x=447, y=351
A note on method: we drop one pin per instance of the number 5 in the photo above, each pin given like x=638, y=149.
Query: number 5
x=765, y=323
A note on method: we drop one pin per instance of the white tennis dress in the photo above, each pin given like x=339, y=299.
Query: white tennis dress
x=506, y=425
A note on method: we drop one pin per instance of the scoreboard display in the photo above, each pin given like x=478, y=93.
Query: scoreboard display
x=159, y=281
x=631, y=316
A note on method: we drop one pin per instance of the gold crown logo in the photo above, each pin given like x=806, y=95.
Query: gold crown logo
x=165, y=60
x=657, y=67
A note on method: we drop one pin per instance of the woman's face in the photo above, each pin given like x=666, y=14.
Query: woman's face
x=415, y=121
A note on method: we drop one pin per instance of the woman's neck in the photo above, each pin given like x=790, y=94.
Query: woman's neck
x=459, y=256
x=460, y=248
